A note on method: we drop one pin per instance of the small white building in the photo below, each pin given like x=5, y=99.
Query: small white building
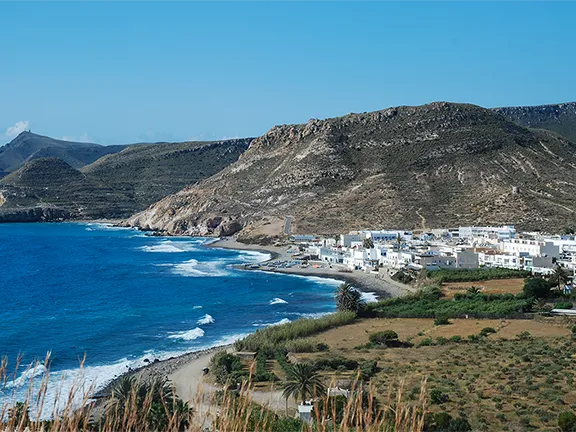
x=530, y=247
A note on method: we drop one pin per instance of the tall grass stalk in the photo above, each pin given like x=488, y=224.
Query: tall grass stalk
x=227, y=411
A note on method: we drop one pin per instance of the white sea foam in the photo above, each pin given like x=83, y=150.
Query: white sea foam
x=255, y=256
x=194, y=268
x=310, y=315
x=196, y=307
x=206, y=319
x=230, y=339
x=168, y=246
x=277, y=300
x=97, y=226
x=369, y=297
x=33, y=371
x=188, y=335
x=282, y=321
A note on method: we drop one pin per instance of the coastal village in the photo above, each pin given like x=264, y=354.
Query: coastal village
x=387, y=253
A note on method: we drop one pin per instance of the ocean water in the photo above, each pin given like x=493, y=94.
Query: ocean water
x=117, y=297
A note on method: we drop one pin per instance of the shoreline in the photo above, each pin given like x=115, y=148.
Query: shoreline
x=364, y=282
x=162, y=368
x=187, y=367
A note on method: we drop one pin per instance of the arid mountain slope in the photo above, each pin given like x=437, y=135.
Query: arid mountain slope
x=117, y=185
x=51, y=182
x=559, y=118
x=441, y=164
x=28, y=146
x=149, y=172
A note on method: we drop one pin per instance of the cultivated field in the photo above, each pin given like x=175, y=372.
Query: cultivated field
x=495, y=286
x=518, y=378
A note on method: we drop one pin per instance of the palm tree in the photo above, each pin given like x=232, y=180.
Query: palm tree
x=368, y=243
x=473, y=290
x=349, y=298
x=302, y=381
x=560, y=276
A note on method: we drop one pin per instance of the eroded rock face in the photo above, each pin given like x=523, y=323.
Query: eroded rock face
x=436, y=165
x=35, y=214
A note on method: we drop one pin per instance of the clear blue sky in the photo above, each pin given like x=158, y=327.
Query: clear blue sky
x=126, y=72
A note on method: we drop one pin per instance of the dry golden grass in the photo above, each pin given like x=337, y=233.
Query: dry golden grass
x=499, y=381
x=495, y=286
x=229, y=411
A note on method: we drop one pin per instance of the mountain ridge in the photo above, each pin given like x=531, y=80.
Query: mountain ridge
x=28, y=146
x=559, y=118
x=408, y=167
x=116, y=185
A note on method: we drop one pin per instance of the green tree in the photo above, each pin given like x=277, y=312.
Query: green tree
x=302, y=382
x=559, y=277
x=349, y=298
x=368, y=243
x=536, y=288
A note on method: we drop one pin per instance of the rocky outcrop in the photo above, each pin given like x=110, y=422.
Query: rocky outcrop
x=34, y=214
x=436, y=165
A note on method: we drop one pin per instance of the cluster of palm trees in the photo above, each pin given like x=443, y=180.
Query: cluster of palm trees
x=150, y=403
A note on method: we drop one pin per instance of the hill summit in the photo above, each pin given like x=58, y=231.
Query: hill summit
x=28, y=146
x=435, y=165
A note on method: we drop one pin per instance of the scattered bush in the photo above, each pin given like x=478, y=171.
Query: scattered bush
x=486, y=331
x=426, y=342
x=386, y=337
x=563, y=305
x=567, y=421
x=441, y=321
x=367, y=369
x=536, y=288
x=525, y=335
x=456, y=339
x=437, y=397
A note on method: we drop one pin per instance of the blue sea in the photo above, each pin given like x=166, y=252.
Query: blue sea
x=118, y=297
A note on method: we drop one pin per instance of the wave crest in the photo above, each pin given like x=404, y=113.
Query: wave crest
x=188, y=335
x=278, y=300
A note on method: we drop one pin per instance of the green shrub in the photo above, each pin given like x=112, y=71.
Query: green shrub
x=459, y=424
x=567, y=421
x=442, y=420
x=563, y=305
x=386, y=337
x=456, y=339
x=441, y=340
x=301, y=345
x=426, y=342
x=536, y=288
x=472, y=275
x=367, y=369
x=441, y=321
x=487, y=330
x=438, y=397
x=335, y=363
x=322, y=347
x=271, y=338
x=525, y=335
x=426, y=305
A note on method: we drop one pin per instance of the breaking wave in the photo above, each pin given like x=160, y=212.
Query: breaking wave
x=188, y=335
x=277, y=300
x=206, y=319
